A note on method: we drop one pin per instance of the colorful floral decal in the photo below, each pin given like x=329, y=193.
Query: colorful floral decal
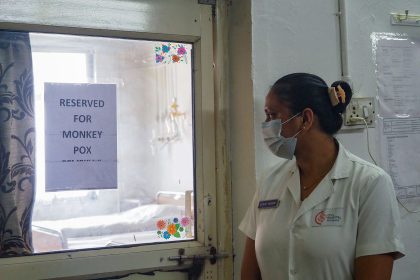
x=185, y=221
x=171, y=53
x=176, y=228
x=161, y=224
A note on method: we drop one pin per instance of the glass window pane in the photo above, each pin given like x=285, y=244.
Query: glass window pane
x=114, y=120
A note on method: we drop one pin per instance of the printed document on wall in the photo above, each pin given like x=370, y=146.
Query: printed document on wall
x=80, y=136
x=400, y=140
x=398, y=80
x=398, y=77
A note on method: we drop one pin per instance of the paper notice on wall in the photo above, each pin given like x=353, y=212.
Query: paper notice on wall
x=398, y=79
x=80, y=136
x=398, y=74
x=400, y=154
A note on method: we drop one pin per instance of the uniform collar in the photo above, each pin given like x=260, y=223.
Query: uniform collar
x=342, y=165
x=340, y=170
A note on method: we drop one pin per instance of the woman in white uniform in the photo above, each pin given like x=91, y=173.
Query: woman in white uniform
x=324, y=213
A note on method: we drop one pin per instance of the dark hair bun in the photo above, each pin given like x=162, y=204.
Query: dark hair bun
x=341, y=107
x=304, y=90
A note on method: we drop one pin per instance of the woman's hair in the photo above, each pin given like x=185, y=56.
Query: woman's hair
x=303, y=90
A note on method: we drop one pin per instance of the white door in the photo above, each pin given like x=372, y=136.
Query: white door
x=157, y=206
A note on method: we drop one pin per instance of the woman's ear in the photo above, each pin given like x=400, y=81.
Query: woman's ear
x=308, y=118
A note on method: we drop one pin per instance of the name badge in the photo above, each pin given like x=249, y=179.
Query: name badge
x=327, y=217
x=272, y=203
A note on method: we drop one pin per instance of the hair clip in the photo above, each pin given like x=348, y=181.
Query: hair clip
x=341, y=94
x=333, y=96
x=337, y=97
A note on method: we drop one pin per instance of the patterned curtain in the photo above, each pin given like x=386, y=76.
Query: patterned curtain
x=17, y=139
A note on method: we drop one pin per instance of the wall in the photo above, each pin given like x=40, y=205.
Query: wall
x=373, y=16
x=241, y=118
x=303, y=35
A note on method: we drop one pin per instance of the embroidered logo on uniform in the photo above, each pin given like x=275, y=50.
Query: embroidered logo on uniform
x=320, y=218
x=272, y=203
x=328, y=217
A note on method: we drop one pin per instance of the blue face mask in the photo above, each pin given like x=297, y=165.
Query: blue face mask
x=280, y=146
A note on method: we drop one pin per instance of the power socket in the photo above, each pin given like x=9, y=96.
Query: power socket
x=361, y=107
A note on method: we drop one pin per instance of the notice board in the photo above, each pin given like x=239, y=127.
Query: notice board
x=398, y=79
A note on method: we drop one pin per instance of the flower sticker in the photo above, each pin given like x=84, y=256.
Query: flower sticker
x=181, y=50
x=166, y=53
x=159, y=58
x=185, y=221
x=177, y=228
x=161, y=224
x=166, y=48
x=166, y=235
x=172, y=229
x=175, y=58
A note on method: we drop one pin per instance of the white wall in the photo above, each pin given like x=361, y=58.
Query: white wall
x=291, y=36
x=241, y=119
x=373, y=16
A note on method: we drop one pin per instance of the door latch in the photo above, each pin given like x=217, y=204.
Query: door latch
x=197, y=261
x=213, y=256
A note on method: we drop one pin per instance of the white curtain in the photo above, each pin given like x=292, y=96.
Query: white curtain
x=17, y=144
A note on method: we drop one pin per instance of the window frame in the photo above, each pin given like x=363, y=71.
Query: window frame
x=194, y=26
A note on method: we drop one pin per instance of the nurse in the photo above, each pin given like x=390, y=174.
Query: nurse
x=323, y=213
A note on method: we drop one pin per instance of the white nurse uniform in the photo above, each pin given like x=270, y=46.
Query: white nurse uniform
x=352, y=212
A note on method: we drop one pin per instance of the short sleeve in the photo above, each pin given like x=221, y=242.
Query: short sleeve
x=249, y=222
x=379, y=219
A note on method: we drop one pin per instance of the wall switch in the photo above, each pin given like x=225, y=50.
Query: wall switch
x=360, y=107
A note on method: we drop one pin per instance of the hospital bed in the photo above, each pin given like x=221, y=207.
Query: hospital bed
x=133, y=226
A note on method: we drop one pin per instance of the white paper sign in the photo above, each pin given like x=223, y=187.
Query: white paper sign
x=80, y=136
x=400, y=154
x=398, y=77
